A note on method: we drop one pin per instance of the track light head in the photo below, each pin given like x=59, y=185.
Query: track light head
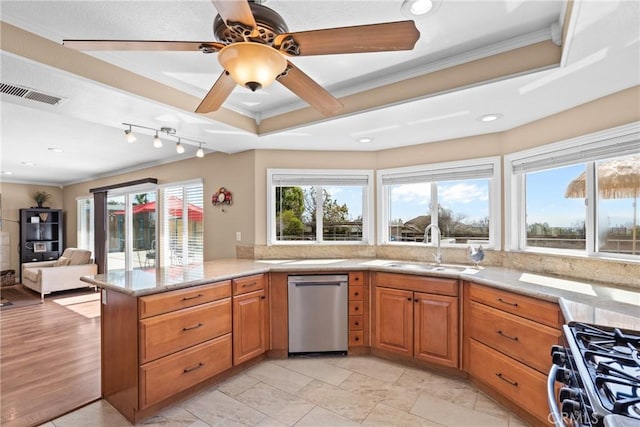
x=179, y=147
x=200, y=152
x=157, y=142
x=129, y=135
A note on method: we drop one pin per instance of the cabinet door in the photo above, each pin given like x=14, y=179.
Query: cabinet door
x=436, y=329
x=394, y=321
x=249, y=326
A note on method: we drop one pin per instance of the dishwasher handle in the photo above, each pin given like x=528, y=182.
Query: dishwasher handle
x=299, y=284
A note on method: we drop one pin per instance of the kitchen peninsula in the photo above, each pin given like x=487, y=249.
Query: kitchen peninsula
x=171, y=331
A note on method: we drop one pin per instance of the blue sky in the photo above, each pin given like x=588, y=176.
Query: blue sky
x=545, y=200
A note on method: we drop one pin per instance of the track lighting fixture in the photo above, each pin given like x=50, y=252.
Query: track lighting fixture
x=157, y=142
x=168, y=133
x=179, y=147
x=129, y=135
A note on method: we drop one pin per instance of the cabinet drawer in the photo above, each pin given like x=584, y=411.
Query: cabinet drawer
x=430, y=285
x=356, y=307
x=356, y=338
x=522, y=339
x=248, y=284
x=166, y=302
x=356, y=322
x=537, y=310
x=355, y=293
x=524, y=386
x=167, y=333
x=165, y=377
x=356, y=278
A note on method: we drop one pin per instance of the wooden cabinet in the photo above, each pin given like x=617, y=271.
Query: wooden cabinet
x=41, y=234
x=417, y=317
x=358, y=310
x=158, y=348
x=250, y=318
x=507, y=338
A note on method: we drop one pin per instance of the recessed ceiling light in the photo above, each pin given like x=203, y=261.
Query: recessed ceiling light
x=56, y=150
x=413, y=8
x=28, y=163
x=490, y=117
x=365, y=139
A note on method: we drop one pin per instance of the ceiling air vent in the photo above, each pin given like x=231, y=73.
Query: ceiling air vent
x=28, y=93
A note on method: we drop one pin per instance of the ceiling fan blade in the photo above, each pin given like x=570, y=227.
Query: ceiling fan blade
x=232, y=11
x=218, y=93
x=141, y=45
x=389, y=36
x=310, y=91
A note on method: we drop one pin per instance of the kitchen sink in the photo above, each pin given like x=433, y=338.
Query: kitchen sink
x=430, y=267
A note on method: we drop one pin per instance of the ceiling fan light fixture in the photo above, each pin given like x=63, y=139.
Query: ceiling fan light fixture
x=253, y=65
x=413, y=8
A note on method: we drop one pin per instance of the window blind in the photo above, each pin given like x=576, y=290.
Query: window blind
x=326, y=180
x=477, y=171
x=598, y=150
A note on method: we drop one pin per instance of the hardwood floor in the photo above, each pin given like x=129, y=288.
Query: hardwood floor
x=49, y=358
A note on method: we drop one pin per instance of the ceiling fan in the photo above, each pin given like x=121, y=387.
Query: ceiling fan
x=253, y=42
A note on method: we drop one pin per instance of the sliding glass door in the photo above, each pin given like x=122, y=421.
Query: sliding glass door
x=131, y=229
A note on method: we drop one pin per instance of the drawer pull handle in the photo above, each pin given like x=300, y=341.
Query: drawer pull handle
x=357, y=323
x=409, y=299
x=189, y=328
x=356, y=308
x=513, y=304
x=357, y=338
x=262, y=297
x=248, y=285
x=193, y=368
x=193, y=297
x=507, y=336
x=507, y=380
x=356, y=293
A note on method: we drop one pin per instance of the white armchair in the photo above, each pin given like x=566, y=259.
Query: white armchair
x=64, y=273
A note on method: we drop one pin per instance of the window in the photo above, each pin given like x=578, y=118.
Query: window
x=182, y=224
x=577, y=196
x=319, y=206
x=85, y=223
x=462, y=198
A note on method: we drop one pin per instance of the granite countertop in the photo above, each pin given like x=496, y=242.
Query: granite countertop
x=580, y=300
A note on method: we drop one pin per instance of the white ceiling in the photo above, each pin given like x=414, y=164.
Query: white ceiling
x=602, y=56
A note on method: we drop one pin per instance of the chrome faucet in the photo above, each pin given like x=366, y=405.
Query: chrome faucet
x=438, y=254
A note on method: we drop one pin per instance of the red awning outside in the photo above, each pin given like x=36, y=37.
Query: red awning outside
x=175, y=209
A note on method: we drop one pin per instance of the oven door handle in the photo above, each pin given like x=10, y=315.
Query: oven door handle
x=555, y=415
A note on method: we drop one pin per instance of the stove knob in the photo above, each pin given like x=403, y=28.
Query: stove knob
x=568, y=393
x=555, y=348
x=571, y=409
x=563, y=375
x=559, y=358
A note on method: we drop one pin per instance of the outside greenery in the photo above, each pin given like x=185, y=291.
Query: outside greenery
x=296, y=216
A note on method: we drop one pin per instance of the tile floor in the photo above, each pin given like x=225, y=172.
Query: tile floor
x=321, y=392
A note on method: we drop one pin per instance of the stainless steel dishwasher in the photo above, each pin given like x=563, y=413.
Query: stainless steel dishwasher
x=318, y=313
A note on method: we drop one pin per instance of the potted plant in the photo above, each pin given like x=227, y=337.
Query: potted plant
x=41, y=197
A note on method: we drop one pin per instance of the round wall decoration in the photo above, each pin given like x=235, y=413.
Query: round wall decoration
x=221, y=197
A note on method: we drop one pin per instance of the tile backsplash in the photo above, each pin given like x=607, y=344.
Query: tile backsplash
x=624, y=274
